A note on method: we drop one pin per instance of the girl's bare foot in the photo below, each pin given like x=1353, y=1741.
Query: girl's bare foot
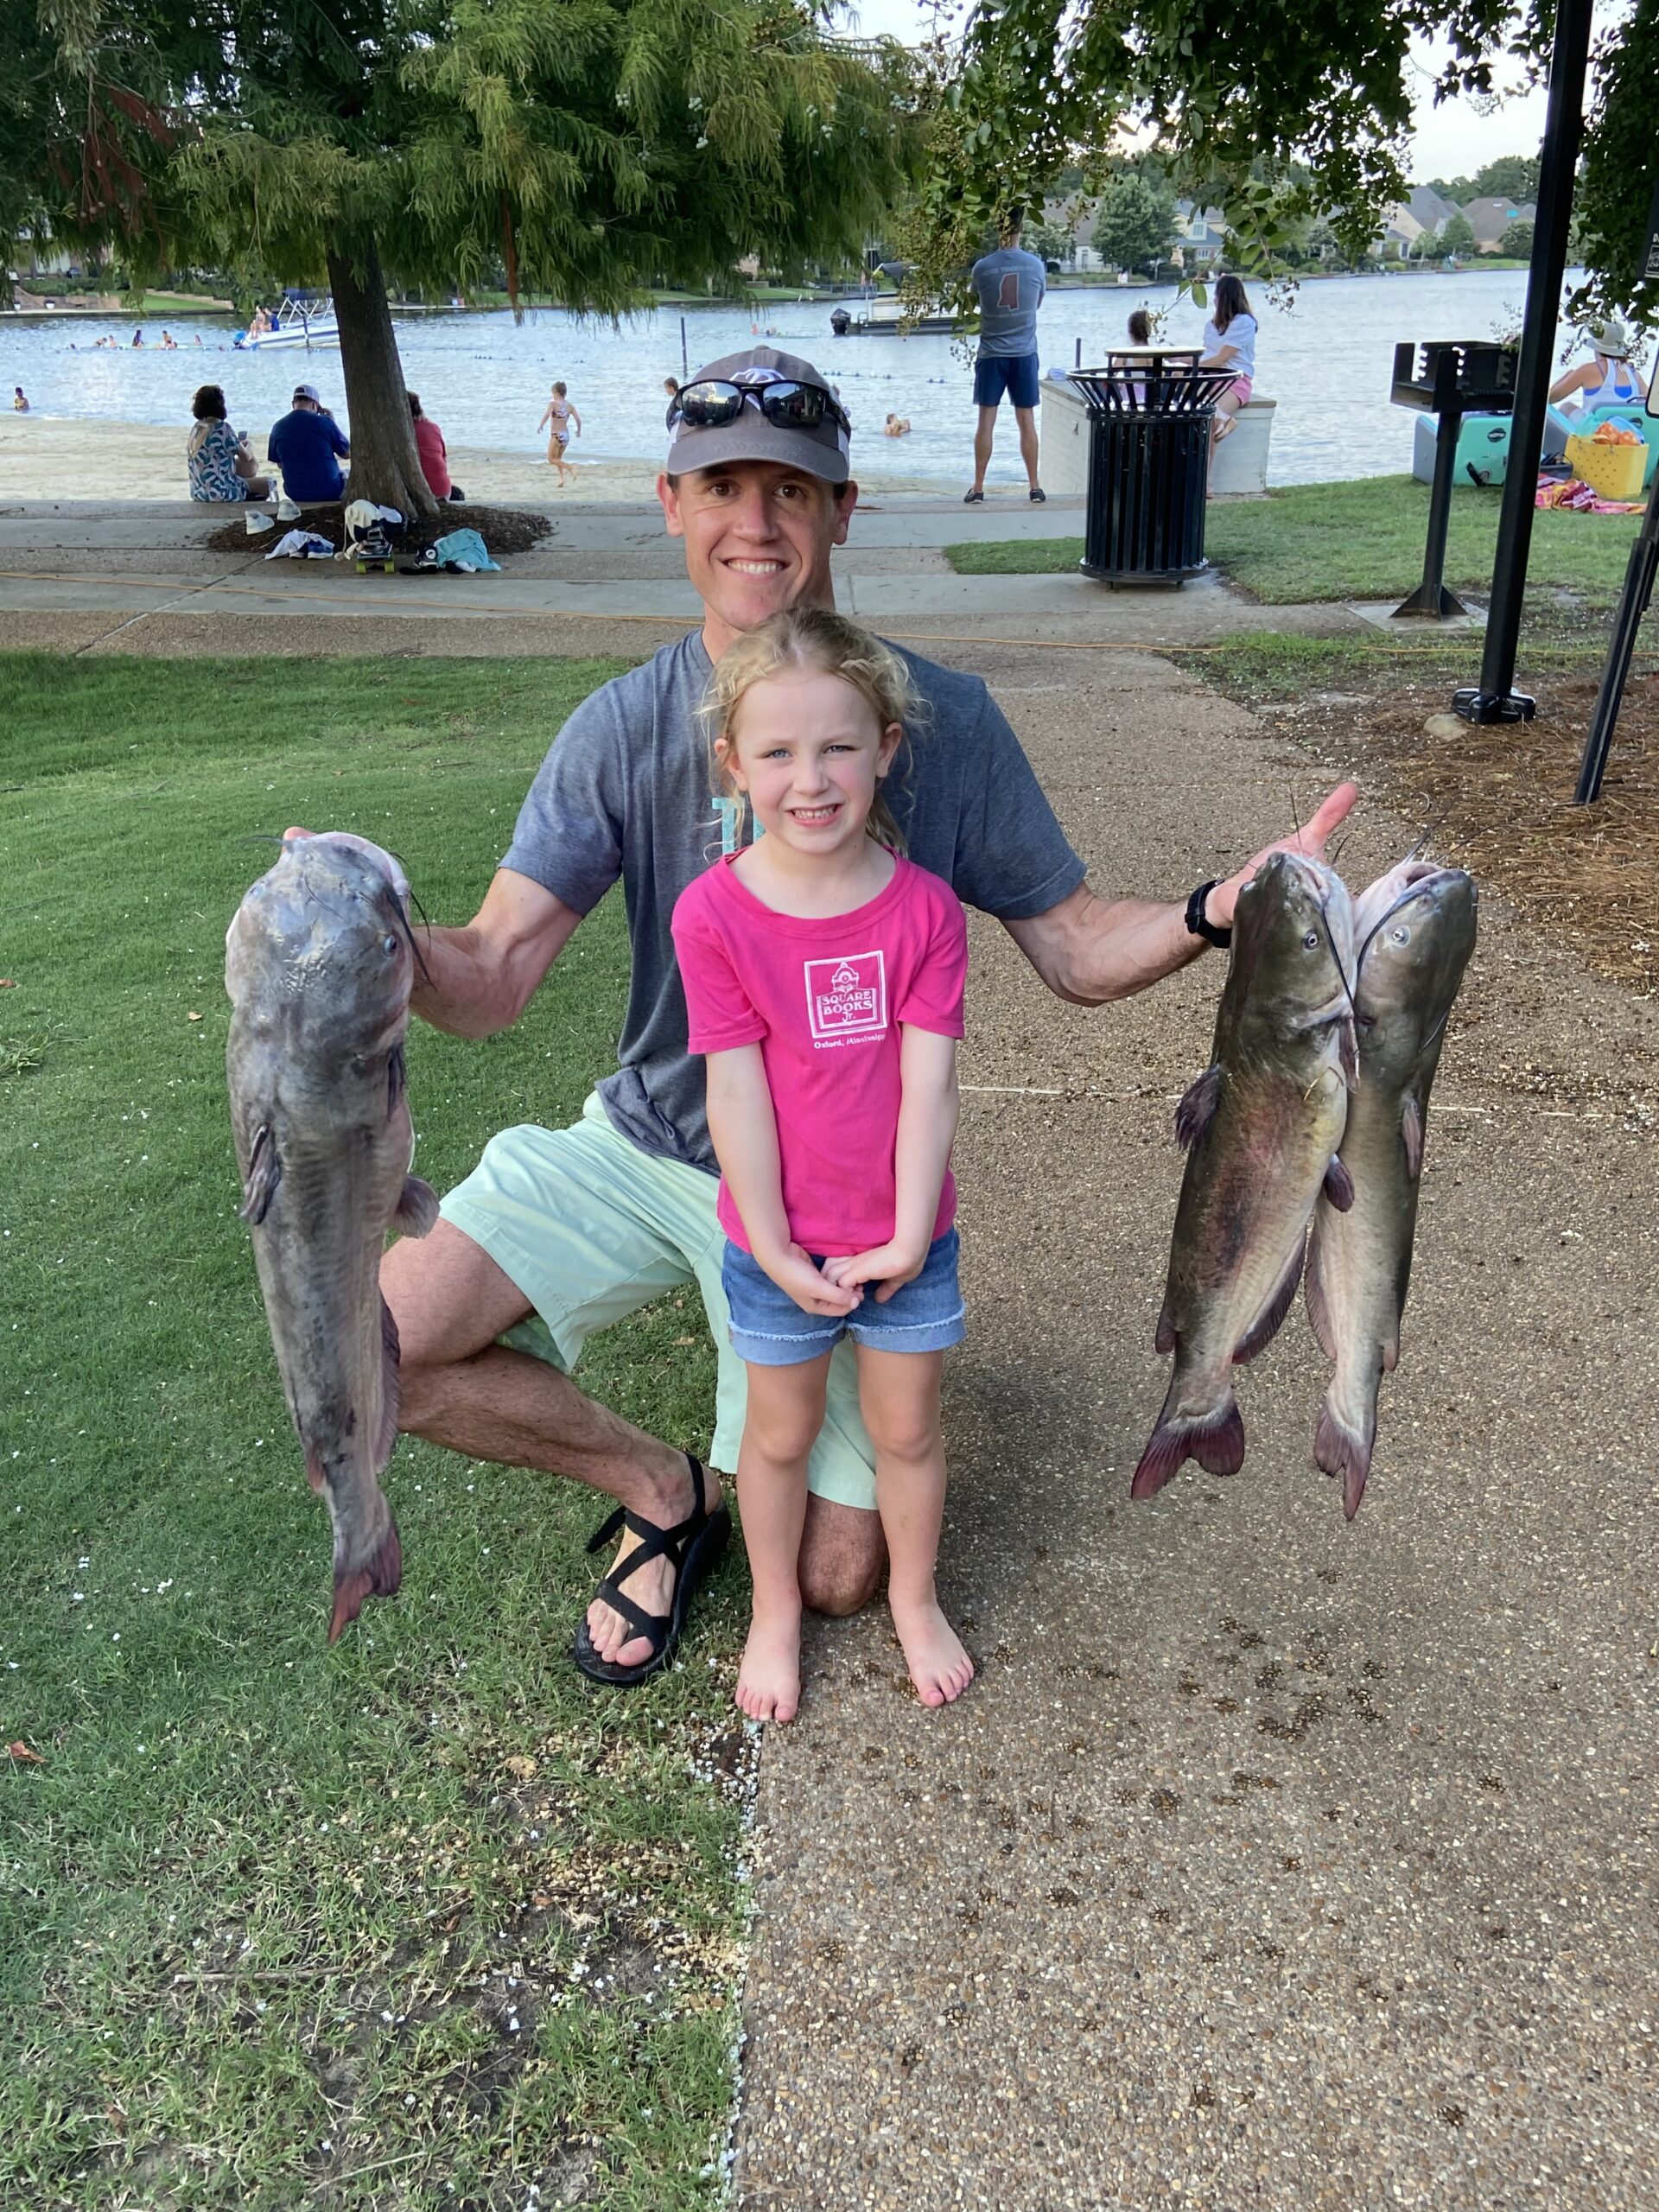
x=939, y=1667
x=769, y=1680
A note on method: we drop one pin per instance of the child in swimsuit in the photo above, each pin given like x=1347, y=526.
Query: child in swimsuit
x=561, y=414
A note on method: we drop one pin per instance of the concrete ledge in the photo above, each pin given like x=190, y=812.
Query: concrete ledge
x=1239, y=467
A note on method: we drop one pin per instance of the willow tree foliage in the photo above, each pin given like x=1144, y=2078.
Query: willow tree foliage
x=594, y=149
x=1280, y=115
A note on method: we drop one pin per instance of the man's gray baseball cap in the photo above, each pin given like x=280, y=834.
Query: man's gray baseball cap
x=821, y=451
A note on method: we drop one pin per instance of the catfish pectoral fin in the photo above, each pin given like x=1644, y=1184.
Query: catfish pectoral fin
x=1338, y=1184
x=417, y=1208
x=1216, y=1441
x=1340, y=1449
x=1197, y=1109
x=264, y=1173
x=379, y=1576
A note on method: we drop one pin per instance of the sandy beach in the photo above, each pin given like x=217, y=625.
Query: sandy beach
x=55, y=457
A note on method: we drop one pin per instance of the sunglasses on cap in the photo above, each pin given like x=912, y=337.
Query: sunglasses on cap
x=713, y=401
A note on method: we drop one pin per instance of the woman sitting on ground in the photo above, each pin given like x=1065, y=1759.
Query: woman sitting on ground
x=221, y=466
x=1230, y=343
x=1607, y=379
x=434, y=455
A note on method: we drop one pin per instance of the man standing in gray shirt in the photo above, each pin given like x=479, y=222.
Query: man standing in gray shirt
x=1010, y=284
x=559, y=1232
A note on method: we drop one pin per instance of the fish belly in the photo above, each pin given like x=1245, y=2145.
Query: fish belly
x=1358, y=1264
x=1250, y=1186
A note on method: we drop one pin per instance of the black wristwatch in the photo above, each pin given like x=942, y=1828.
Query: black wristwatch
x=1196, y=923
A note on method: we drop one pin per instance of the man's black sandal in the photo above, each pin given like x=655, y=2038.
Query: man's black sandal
x=973, y=499
x=694, y=1548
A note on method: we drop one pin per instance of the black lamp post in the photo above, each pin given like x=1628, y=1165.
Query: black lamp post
x=1494, y=699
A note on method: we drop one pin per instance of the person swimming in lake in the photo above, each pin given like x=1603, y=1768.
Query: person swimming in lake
x=19, y=402
x=556, y=418
x=896, y=426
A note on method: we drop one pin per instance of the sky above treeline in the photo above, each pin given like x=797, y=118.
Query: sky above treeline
x=1450, y=141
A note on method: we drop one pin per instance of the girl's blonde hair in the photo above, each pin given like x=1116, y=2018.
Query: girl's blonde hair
x=815, y=637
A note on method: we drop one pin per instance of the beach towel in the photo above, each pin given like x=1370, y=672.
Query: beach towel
x=464, y=549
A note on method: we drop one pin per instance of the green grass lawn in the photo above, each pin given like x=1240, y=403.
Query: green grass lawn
x=421, y=1920
x=1362, y=539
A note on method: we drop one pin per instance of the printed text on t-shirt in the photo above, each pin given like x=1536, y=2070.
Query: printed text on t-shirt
x=847, y=997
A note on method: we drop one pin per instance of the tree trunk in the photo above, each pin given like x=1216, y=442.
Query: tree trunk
x=385, y=467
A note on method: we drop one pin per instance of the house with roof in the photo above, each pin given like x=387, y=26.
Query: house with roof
x=1489, y=219
x=1411, y=224
x=1076, y=218
x=1200, y=235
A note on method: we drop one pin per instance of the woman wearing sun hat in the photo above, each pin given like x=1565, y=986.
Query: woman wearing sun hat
x=1607, y=379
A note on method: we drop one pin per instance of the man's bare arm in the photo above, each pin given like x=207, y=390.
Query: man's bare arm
x=483, y=977
x=1091, y=951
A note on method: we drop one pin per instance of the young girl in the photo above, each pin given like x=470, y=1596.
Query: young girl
x=1230, y=343
x=823, y=975
x=556, y=418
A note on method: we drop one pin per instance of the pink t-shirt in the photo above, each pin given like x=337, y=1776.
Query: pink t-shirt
x=826, y=1000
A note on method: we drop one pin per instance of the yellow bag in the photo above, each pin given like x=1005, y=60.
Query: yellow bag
x=1614, y=472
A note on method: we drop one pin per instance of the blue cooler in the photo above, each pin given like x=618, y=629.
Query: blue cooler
x=1483, y=445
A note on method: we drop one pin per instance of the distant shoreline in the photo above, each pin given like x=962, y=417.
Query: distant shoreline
x=46, y=457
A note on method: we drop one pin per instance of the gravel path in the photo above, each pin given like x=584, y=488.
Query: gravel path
x=1271, y=1862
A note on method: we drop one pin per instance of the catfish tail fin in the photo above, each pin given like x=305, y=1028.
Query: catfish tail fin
x=1216, y=1441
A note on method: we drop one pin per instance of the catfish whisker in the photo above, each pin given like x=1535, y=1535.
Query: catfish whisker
x=408, y=935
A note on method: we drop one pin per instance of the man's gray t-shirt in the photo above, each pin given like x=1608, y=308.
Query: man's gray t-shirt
x=624, y=791
x=1010, y=284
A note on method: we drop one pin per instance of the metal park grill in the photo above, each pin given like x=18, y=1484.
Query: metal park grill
x=1450, y=377
x=1151, y=412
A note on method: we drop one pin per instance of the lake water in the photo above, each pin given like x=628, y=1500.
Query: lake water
x=1326, y=359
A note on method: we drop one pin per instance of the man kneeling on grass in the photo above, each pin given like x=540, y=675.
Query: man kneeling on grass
x=559, y=1232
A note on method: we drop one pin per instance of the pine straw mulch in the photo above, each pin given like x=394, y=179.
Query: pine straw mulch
x=1499, y=800
x=504, y=530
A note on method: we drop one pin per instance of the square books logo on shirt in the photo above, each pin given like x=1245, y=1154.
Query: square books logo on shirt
x=847, y=997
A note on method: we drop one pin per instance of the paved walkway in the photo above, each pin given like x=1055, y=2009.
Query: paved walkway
x=80, y=577
x=1272, y=1862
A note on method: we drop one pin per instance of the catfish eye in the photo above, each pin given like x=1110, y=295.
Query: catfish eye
x=1311, y=940
x=1402, y=935
x=388, y=944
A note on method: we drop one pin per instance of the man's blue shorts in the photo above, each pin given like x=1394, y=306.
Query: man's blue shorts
x=1015, y=373
x=768, y=1328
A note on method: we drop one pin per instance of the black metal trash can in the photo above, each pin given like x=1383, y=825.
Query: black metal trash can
x=1151, y=411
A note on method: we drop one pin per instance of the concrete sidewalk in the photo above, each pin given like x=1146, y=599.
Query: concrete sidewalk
x=77, y=578
x=1271, y=1862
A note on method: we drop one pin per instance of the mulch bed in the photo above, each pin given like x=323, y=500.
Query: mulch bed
x=504, y=530
x=1499, y=800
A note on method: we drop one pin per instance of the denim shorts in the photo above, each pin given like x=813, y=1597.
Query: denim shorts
x=769, y=1330
x=1012, y=373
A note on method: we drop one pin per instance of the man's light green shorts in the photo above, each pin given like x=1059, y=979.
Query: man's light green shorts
x=591, y=1228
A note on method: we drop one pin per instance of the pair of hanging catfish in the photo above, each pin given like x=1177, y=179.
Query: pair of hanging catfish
x=1305, y=1140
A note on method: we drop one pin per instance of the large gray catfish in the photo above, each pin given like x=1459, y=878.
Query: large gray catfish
x=1262, y=1125
x=319, y=962
x=1416, y=930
